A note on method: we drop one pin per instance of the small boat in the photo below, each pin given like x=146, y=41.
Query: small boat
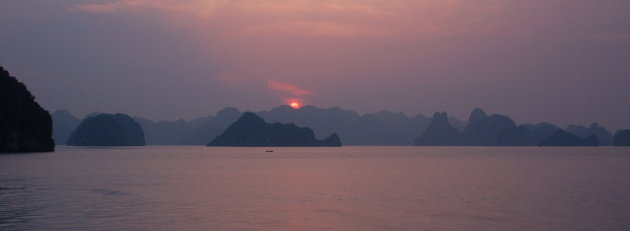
x=269, y=151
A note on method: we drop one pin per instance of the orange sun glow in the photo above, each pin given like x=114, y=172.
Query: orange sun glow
x=295, y=105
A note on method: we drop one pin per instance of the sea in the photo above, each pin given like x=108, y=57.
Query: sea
x=350, y=188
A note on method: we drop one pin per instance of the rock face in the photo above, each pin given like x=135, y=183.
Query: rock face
x=332, y=141
x=164, y=132
x=591, y=140
x=24, y=125
x=252, y=131
x=439, y=133
x=379, y=128
x=500, y=130
x=481, y=130
x=485, y=130
x=476, y=115
x=536, y=133
x=195, y=132
x=63, y=125
x=622, y=138
x=107, y=130
x=210, y=129
x=563, y=138
x=519, y=136
x=604, y=137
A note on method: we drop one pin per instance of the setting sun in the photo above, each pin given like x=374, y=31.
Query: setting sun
x=295, y=105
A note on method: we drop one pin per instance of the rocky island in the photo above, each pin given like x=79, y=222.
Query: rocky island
x=107, y=130
x=24, y=125
x=622, y=138
x=252, y=131
x=563, y=138
x=63, y=125
x=493, y=130
x=439, y=133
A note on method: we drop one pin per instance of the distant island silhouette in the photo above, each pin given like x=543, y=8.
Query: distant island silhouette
x=622, y=138
x=63, y=126
x=107, y=130
x=604, y=137
x=252, y=131
x=24, y=125
x=381, y=128
x=563, y=138
x=196, y=132
x=500, y=130
x=440, y=133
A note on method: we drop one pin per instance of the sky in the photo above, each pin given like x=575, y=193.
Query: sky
x=559, y=61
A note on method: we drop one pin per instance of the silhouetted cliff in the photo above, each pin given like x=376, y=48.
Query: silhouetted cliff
x=519, y=136
x=107, y=130
x=380, y=128
x=207, y=129
x=24, y=125
x=476, y=115
x=485, y=130
x=164, y=132
x=604, y=137
x=563, y=138
x=500, y=130
x=439, y=133
x=622, y=138
x=536, y=133
x=591, y=140
x=331, y=141
x=195, y=132
x=64, y=124
x=252, y=131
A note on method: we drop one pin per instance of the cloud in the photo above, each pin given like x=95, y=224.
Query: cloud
x=111, y=7
x=287, y=88
x=183, y=6
x=315, y=28
x=320, y=18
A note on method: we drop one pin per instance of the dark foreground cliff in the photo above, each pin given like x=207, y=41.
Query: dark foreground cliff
x=24, y=125
x=252, y=131
x=107, y=130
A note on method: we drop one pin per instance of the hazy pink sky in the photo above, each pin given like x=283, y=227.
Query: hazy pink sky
x=561, y=61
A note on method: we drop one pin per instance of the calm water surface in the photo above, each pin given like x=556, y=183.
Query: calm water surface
x=349, y=188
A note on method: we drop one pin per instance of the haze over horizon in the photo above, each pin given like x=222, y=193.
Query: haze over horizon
x=564, y=62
